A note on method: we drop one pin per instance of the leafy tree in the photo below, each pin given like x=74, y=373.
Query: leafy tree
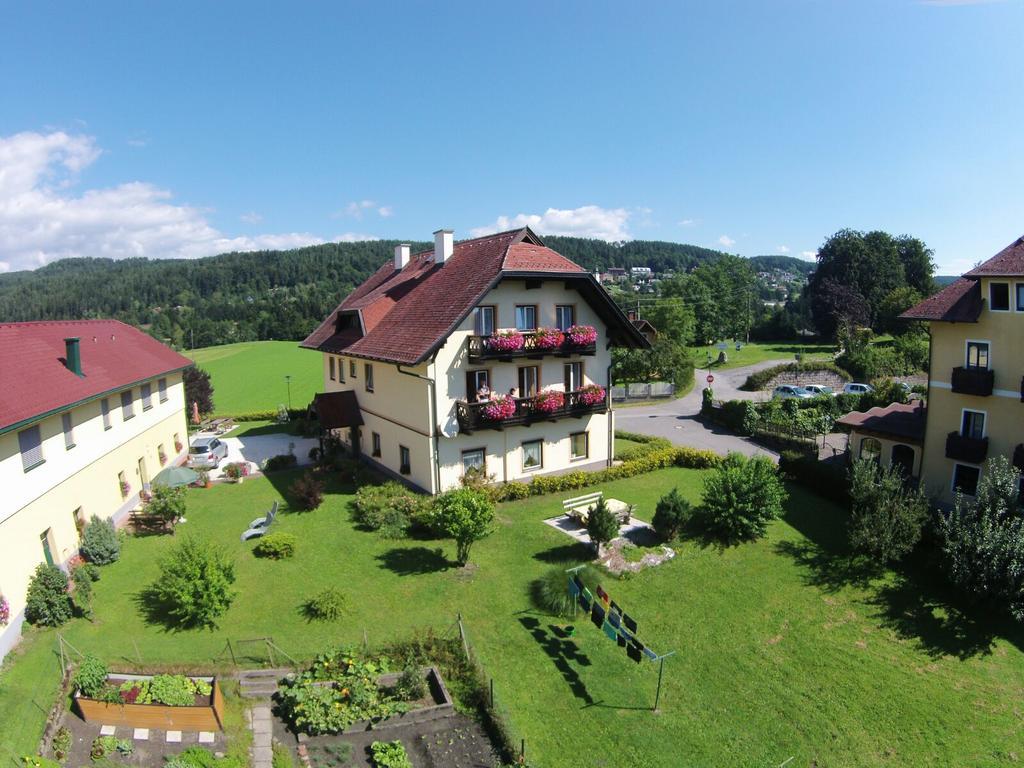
x=602, y=525
x=895, y=303
x=671, y=514
x=307, y=492
x=665, y=361
x=741, y=496
x=167, y=503
x=198, y=389
x=100, y=543
x=48, y=603
x=886, y=514
x=918, y=267
x=464, y=514
x=194, y=587
x=838, y=309
x=983, y=539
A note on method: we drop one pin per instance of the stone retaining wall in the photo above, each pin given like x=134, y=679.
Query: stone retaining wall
x=802, y=378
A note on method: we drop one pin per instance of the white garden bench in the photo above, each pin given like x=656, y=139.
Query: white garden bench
x=579, y=507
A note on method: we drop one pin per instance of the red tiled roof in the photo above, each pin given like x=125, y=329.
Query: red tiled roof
x=34, y=380
x=1009, y=261
x=958, y=302
x=898, y=420
x=401, y=316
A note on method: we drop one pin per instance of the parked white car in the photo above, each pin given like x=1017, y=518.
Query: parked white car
x=790, y=392
x=206, y=453
x=819, y=390
x=854, y=388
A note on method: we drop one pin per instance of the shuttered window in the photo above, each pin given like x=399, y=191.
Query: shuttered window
x=69, y=431
x=147, y=396
x=31, y=444
x=161, y=387
x=127, y=405
x=105, y=410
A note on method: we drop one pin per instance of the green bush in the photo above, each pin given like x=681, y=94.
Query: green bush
x=824, y=479
x=550, y=592
x=671, y=515
x=327, y=605
x=279, y=462
x=307, y=492
x=465, y=515
x=91, y=677
x=100, y=543
x=194, y=586
x=281, y=756
x=411, y=684
x=47, y=603
x=172, y=690
x=602, y=524
x=167, y=503
x=81, y=591
x=195, y=757
x=886, y=514
x=276, y=546
x=740, y=498
x=761, y=379
x=390, y=508
x=389, y=754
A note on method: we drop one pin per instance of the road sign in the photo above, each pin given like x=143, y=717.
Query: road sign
x=710, y=379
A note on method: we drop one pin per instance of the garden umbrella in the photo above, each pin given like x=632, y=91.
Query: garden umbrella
x=174, y=477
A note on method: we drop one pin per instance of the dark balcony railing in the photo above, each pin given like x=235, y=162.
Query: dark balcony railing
x=973, y=381
x=480, y=349
x=472, y=417
x=962, y=448
x=1018, y=457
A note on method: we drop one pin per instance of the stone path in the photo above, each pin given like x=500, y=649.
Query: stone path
x=260, y=685
x=262, y=736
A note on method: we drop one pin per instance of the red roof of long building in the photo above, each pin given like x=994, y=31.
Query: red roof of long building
x=903, y=421
x=401, y=316
x=34, y=379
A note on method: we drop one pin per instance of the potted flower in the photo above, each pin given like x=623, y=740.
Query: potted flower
x=549, y=401
x=5, y=611
x=162, y=456
x=506, y=341
x=592, y=394
x=125, y=488
x=178, y=445
x=237, y=471
x=499, y=408
x=204, y=479
x=548, y=338
x=582, y=335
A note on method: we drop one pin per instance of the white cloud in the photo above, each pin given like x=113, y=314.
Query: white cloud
x=688, y=223
x=41, y=219
x=385, y=211
x=586, y=221
x=782, y=248
x=352, y=237
x=5, y=266
x=808, y=254
x=727, y=241
x=359, y=208
x=251, y=217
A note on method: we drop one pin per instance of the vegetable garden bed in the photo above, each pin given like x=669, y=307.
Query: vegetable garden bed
x=205, y=714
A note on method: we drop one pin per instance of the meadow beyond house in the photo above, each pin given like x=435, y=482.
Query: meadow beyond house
x=489, y=355
x=89, y=411
x=975, y=388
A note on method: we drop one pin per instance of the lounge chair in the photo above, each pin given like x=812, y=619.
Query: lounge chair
x=259, y=526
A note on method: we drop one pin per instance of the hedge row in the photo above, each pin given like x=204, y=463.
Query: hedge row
x=293, y=413
x=759, y=380
x=824, y=479
x=657, y=457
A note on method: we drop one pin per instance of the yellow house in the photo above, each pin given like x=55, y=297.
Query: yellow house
x=89, y=412
x=491, y=354
x=975, y=389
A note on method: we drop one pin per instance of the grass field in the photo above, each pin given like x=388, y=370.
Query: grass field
x=784, y=649
x=250, y=376
x=757, y=352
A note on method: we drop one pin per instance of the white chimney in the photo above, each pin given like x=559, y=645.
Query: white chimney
x=444, y=245
x=401, y=255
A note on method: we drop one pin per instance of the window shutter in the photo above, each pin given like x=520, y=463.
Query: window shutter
x=161, y=386
x=31, y=445
x=69, y=433
x=105, y=410
x=147, y=396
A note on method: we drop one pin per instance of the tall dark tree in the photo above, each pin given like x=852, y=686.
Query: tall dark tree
x=835, y=305
x=918, y=267
x=198, y=389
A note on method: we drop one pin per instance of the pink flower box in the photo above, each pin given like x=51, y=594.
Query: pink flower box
x=549, y=401
x=5, y=611
x=582, y=335
x=548, y=338
x=506, y=341
x=500, y=408
x=592, y=394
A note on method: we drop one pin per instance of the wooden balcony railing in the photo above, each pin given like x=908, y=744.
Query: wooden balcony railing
x=962, y=448
x=481, y=348
x=973, y=381
x=473, y=416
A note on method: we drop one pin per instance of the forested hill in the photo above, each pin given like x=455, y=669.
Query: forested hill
x=257, y=295
x=787, y=263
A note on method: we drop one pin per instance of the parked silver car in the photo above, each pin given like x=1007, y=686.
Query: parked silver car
x=818, y=390
x=853, y=388
x=791, y=392
x=206, y=452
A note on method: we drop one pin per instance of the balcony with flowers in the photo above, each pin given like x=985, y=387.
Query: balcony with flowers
x=508, y=344
x=504, y=411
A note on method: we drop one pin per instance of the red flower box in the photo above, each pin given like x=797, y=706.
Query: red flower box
x=549, y=401
x=506, y=341
x=582, y=335
x=592, y=394
x=548, y=338
x=500, y=408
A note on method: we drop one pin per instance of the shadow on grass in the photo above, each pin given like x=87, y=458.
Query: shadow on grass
x=563, y=652
x=572, y=554
x=414, y=561
x=157, y=612
x=912, y=600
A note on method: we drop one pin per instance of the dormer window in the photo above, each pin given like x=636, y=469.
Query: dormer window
x=999, y=297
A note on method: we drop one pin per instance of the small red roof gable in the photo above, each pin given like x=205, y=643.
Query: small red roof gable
x=1008, y=262
x=958, y=302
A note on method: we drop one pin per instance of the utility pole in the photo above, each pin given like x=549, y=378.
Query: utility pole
x=288, y=382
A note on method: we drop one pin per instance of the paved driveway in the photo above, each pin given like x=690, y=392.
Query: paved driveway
x=679, y=420
x=258, y=448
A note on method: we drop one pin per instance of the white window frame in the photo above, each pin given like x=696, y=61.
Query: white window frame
x=582, y=377
x=878, y=457
x=483, y=459
x=404, y=468
x=40, y=457
x=352, y=369
x=1009, y=299
x=368, y=374
x=952, y=479
x=967, y=348
x=375, y=449
x=586, y=446
x=341, y=370
x=572, y=320
x=330, y=367
x=478, y=323
x=984, y=424
x=526, y=329
x=522, y=448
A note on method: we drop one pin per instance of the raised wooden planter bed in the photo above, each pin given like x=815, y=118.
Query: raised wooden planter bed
x=205, y=717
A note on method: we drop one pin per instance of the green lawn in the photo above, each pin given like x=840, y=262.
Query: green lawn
x=622, y=444
x=250, y=376
x=758, y=352
x=782, y=649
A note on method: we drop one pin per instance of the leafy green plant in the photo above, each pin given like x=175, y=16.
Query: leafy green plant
x=104, y=746
x=886, y=514
x=100, y=543
x=279, y=462
x=194, y=757
x=411, y=684
x=276, y=546
x=172, y=690
x=61, y=743
x=81, y=592
x=550, y=592
x=327, y=605
x=281, y=756
x=389, y=754
x=307, y=492
x=91, y=676
x=465, y=515
x=390, y=508
x=602, y=525
x=47, y=603
x=167, y=503
x=671, y=515
x=740, y=498
x=194, y=586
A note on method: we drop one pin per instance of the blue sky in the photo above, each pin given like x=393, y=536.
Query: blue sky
x=183, y=129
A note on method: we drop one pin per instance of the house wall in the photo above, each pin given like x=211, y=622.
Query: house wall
x=887, y=445
x=1004, y=422
x=85, y=477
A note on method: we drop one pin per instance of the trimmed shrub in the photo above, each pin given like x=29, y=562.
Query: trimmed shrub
x=276, y=546
x=550, y=592
x=740, y=498
x=279, y=462
x=602, y=524
x=48, y=603
x=761, y=379
x=390, y=508
x=327, y=605
x=100, y=543
x=91, y=677
x=307, y=492
x=465, y=515
x=886, y=514
x=194, y=586
x=671, y=515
